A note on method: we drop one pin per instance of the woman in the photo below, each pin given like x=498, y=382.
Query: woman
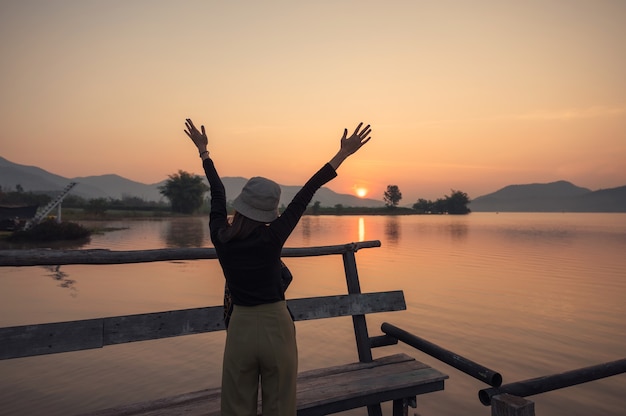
x=260, y=341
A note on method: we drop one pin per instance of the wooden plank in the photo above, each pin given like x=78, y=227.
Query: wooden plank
x=29, y=340
x=47, y=257
x=345, y=305
x=158, y=325
x=199, y=403
x=344, y=368
x=343, y=391
x=142, y=327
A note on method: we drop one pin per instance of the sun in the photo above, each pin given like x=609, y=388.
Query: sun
x=361, y=192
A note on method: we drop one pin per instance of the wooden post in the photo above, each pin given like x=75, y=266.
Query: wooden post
x=360, y=325
x=358, y=321
x=508, y=405
x=401, y=407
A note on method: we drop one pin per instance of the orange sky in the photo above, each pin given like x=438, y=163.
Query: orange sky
x=464, y=95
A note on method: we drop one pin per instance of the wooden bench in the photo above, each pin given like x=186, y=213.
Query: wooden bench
x=398, y=378
x=367, y=383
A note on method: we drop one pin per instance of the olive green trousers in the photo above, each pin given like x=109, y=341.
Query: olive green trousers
x=260, y=346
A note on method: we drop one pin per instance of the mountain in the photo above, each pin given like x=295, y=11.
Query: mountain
x=35, y=179
x=549, y=197
x=558, y=196
x=115, y=186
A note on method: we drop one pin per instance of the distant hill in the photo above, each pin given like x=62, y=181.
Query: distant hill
x=561, y=196
x=35, y=179
x=549, y=197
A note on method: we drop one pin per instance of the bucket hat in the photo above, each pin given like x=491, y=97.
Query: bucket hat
x=258, y=200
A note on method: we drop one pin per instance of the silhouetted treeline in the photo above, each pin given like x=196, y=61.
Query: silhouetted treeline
x=455, y=203
x=20, y=197
x=339, y=209
x=93, y=206
x=99, y=206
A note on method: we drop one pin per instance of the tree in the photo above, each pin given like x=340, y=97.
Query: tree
x=392, y=196
x=97, y=206
x=23, y=198
x=423, y=206
x=74, y=201
x=185, y=192
x=439, y=206
x=457, y=202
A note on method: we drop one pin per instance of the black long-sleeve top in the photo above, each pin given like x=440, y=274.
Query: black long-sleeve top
x=252, y=266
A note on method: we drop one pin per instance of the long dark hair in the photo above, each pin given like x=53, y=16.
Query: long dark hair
x=240, y=227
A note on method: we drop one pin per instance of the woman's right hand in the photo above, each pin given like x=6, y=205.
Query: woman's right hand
x=350, y=145
x=199, y=139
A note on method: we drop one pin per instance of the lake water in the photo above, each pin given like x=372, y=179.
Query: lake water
x=526, y=295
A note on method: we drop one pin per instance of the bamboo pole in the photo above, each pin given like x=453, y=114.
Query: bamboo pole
x=457, y=361
x=48, y=257
x=555, y=381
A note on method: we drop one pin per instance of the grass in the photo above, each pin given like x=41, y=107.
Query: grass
x=50, y=230
x=77, y=214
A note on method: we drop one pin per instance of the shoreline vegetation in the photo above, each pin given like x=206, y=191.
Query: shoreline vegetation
x=185, y=201
x=74, y=214
x=70, y=230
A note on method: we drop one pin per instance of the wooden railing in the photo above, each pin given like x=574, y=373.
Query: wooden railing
x=508, y=399
x=50, y=338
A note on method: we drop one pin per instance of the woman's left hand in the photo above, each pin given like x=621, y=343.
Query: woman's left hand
x=199, y=139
